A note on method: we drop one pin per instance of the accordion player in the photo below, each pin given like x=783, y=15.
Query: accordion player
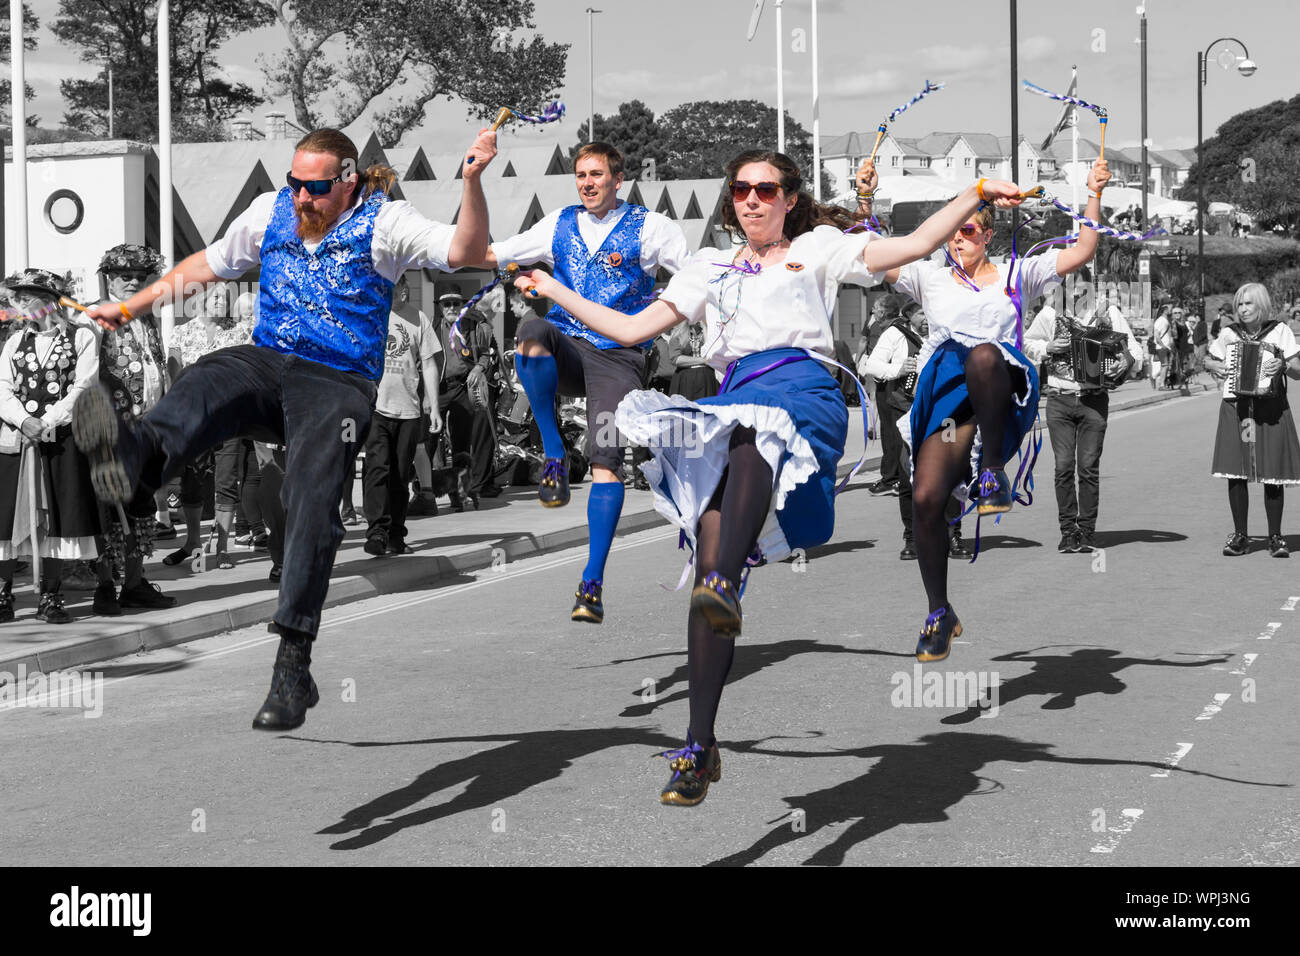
x=1098, y=357
x=1244, y=368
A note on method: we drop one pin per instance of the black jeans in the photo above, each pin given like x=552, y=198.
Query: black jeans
x=471, y=433
x=891, y=442
x=390, y=451
x=1076, y=424
x=320, y=413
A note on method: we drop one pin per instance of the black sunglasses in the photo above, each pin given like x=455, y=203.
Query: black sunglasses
x=317, y=187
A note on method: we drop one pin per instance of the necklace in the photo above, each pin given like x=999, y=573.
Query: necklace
x=757, y=253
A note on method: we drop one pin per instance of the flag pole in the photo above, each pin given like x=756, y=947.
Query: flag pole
x=166, y=222
x=18, y=121
x=1074, y=147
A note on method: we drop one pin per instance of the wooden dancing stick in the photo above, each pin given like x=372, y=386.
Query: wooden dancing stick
x=1102, y=157
x=31, y=513
x=71, y=304
x=880, y=135
x=503, y=116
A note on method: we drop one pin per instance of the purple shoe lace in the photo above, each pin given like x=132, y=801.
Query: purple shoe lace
x=555, y=469
x=932, y=621
x=589, y=590
x=988, y=482
x=682, y=759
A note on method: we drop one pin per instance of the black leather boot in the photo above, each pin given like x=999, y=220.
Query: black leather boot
x=292, y=687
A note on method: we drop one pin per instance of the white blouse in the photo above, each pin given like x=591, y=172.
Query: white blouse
x=786, y=305
x=1280, y=335
x=956, y=311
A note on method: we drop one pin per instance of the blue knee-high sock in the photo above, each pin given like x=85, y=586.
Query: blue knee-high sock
x=604, y=505
x=541, y=381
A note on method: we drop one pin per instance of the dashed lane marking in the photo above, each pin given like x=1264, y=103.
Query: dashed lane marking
x=1212, y=709
x=1131, y=817
x=1172, y=760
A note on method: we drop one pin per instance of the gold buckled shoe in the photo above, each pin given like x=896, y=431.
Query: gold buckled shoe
x=694, y=768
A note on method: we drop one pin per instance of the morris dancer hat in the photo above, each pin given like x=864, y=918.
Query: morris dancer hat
x=38, y=280
x=131, y=257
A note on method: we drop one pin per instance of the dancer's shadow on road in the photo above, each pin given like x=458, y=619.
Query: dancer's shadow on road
x=489, y=777
x=1064, y=678
x=992, y=542
x=910, y=783
x=1113, y=539
x=749, y=660
x=840, y=547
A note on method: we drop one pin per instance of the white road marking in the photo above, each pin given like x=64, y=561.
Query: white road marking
x=1247, y=660
x=1212, y=709
x=1131, y=817
x=1172, y=760
x=1291, y=603
x=1267, y=633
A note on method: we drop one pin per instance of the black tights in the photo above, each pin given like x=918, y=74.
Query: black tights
x=1239, y=501
x=942, y=464
x=726, y=536
x=940, y=467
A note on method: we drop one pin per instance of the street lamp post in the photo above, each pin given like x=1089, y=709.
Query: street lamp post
x=1246, y=67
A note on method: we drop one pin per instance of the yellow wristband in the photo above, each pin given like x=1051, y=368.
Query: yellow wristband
x=979, y=190
x=125, y=311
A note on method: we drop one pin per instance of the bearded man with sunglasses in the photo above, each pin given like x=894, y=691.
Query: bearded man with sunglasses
x=609, y=251
x=331, y=248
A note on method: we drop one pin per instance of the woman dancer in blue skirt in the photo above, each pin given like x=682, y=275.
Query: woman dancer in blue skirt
x=973, y=374
x=749, y=475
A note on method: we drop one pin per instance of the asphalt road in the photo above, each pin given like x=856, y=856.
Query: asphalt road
x=1144, y=709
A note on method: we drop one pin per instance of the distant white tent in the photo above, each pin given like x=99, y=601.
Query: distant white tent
x=901, y=189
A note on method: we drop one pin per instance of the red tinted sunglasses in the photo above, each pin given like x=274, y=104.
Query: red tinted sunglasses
x=969, y=230
x=767, y=192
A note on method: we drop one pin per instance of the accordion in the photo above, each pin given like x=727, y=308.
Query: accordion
x=1245, y=369
x=1098, y=357
x=908, y=386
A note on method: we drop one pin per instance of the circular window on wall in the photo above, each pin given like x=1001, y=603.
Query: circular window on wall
x=64, y=211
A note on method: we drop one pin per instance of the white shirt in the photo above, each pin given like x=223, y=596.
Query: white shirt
x=662, y=241
x=1280, y=335
x=403, y=239
x=1042, y=331
x=956, y=311
x=1163, y=332
x=788, y=304
x=885, y=363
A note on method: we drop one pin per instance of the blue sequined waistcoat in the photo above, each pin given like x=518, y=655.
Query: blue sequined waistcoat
x=611, y=276
x=330, y=306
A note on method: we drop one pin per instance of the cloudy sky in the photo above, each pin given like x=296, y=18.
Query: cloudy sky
x=873, y=56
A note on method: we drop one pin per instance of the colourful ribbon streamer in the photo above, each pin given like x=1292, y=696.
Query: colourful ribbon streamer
x=510, y=271
x=552, y=112
x=1099, y=110
x=929, y=88
x=1063, y=98
x=884, y=124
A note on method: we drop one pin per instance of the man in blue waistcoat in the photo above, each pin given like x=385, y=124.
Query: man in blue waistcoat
x=609, y=251
x=331, y=247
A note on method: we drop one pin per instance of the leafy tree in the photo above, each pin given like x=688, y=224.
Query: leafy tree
x=345, y=59
x=30, y=26
x=125, y=33
x=1259, y=144
x=637, y=135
